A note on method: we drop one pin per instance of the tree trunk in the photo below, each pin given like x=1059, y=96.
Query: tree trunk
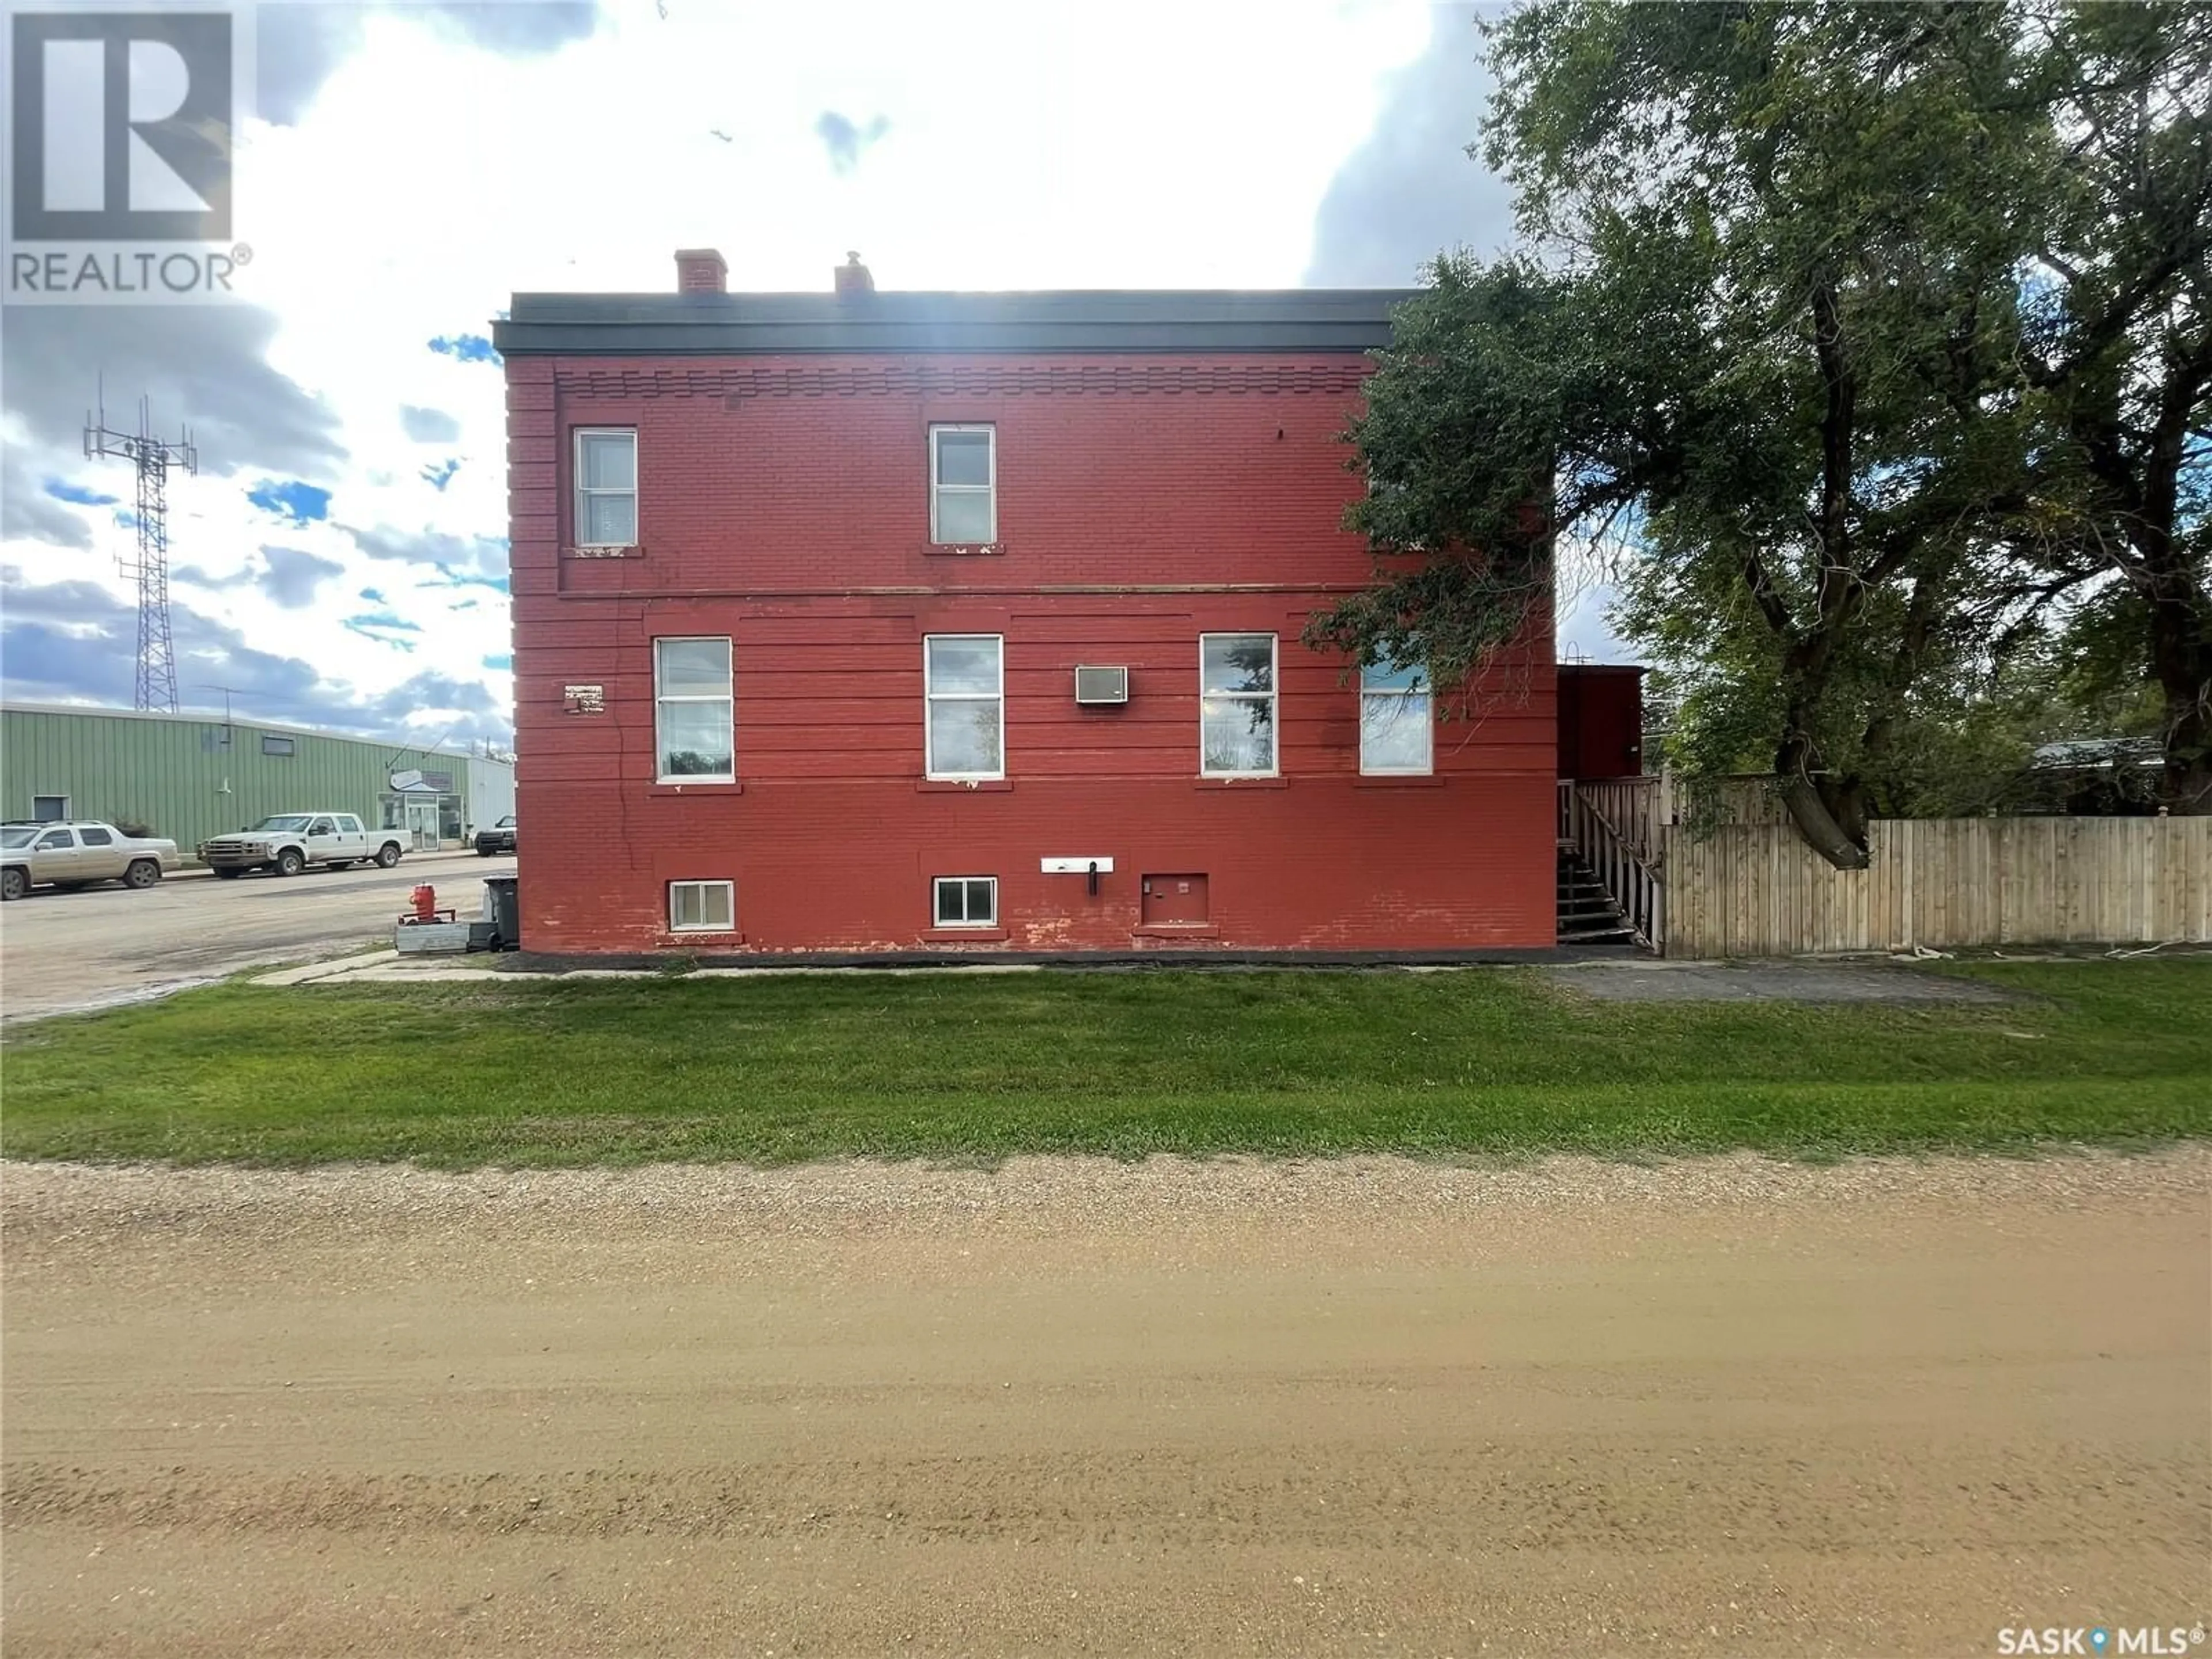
x=2181, y=660
x=1815, y=818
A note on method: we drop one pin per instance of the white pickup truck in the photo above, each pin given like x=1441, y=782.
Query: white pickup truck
x=289, y=841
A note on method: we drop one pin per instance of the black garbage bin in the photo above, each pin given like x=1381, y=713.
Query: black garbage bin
x=505, y=912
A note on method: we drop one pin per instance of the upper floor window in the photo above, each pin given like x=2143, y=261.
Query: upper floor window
x=1237, y=705
x=963, y=484
x=692, y=711
x=606, y=487
x=1397, y=727
x=964, y=705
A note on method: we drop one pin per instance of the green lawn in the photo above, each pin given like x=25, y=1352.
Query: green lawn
x=768, y=1070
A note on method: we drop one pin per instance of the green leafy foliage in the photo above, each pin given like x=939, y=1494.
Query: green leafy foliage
x=1846, y=333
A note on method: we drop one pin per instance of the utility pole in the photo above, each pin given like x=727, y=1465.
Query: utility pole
x=157, y=651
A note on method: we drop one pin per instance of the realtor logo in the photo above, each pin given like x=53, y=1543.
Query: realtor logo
x=122, y=126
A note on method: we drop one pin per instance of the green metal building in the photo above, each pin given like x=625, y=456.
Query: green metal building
x=192, y=776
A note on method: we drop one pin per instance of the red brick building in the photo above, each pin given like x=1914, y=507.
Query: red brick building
x=871, y=623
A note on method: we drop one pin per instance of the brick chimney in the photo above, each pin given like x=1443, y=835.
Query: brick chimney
x=700, y=270
x=853, y=276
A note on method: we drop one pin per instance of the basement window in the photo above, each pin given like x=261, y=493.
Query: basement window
x=703, y=907
x=964, y=484
x=606, y=487
x=966, y=901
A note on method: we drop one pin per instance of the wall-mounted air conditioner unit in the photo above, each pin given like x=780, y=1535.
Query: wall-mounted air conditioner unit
x=1100, y=685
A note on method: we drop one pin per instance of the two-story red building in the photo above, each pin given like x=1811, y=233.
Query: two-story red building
x=882, y=623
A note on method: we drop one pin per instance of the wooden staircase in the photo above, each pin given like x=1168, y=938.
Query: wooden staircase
x=1588, y=915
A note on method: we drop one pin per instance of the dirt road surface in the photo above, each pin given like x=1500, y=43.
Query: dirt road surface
x=1358, y=1407
x=60, y=952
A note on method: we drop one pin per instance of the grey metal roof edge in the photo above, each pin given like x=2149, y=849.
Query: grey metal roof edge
x=1102, y=322
x=196, y=716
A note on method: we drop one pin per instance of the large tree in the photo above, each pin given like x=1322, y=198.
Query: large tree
x=2118, y=339
x=1796, y=320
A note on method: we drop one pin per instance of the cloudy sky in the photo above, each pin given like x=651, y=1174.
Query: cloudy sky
x=340, y=560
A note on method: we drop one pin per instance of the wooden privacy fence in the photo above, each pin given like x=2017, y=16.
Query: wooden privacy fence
x=1758, y=890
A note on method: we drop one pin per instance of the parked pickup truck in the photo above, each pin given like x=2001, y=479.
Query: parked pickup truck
x=499, y=838
x=289, y=841
x=76, y=852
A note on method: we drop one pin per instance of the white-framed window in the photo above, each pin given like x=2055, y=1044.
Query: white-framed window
x=964, y=901
x=692, y=711
x=47, y=809
x=964, y=711
x=1237, y=705
x=606, y=486
x=703, y=907
x=964, y=484
x=1397, y=720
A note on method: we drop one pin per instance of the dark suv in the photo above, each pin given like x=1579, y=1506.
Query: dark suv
x=499, y=838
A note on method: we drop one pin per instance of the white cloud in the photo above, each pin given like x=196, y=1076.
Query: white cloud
x=1025, y=145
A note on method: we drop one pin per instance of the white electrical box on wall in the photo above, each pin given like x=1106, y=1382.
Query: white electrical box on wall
x=1077, y=866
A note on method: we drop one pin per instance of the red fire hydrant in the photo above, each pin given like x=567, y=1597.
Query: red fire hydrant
x=426, y=903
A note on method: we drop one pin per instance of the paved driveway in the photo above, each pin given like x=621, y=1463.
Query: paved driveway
x=60, y=953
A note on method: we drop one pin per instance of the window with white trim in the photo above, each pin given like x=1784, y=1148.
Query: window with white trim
x=964, y=484
x=692, y=711
x=606, y=486
x=1397, y=722
x=1237, y=705
x=964, y=705
x=965, y=901
x=703, y=907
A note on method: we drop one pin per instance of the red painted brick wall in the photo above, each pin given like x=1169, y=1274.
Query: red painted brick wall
x=784, y=502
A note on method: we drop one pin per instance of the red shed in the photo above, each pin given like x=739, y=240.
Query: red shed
x=1601, y=710
x=874, y=623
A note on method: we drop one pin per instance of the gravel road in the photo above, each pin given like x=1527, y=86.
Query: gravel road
x=1358, y=1406
x=60, y=952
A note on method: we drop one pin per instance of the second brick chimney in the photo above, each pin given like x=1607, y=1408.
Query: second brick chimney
x=700, y=270
x=853, y=276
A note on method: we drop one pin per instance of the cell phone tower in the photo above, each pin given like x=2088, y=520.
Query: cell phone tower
x=152, y=457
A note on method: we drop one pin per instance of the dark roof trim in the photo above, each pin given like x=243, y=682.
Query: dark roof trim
x=1102, y=321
